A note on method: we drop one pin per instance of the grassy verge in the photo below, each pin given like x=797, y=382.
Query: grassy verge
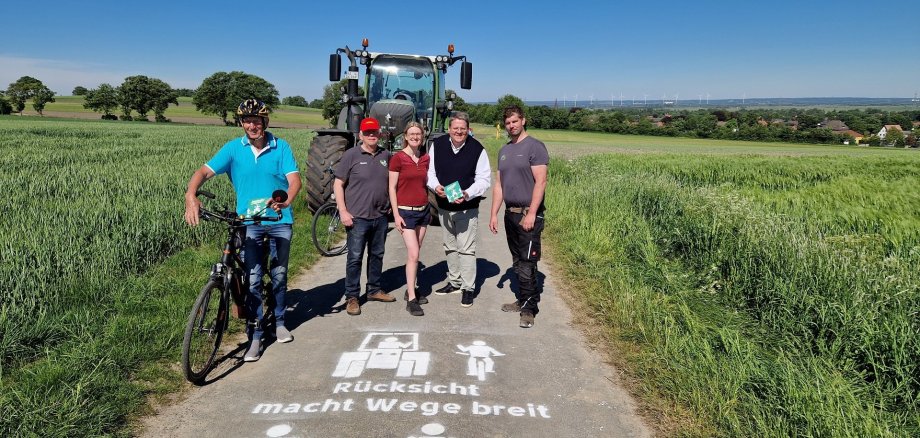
x=100, y=268
x=751, y=296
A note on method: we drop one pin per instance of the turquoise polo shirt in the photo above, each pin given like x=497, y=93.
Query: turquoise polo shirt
x=255, y=175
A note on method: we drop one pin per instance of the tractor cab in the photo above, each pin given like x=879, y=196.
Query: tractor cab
x=401, y=89
x=398, y=89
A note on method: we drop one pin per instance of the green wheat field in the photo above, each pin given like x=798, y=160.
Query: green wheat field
x=747, y=289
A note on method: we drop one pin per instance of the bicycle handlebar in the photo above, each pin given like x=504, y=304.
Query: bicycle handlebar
x=231, y=218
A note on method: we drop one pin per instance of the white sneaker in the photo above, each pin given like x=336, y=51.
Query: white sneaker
x=254, y=352
x=283, y=335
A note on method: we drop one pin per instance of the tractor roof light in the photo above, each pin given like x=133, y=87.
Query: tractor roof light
x=450, y=49
x=364, y=43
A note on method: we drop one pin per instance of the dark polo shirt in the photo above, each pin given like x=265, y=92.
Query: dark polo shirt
x=366, y=177
x=514, y=162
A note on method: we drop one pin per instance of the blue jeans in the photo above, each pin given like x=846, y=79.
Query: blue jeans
x=371, y=233
x=279, y=240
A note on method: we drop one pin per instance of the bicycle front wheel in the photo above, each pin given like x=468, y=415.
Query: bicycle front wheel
x=328, y=231
x=204, y=331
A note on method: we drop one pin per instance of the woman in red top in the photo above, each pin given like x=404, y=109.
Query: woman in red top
x=409, y=199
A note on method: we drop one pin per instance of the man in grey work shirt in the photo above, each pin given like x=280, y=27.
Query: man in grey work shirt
x=520, y=184
x=362, y=200
x=459, y=158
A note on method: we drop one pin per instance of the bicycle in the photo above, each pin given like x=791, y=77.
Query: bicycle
x=327, y=230
x=327, y=227
x=209, y=316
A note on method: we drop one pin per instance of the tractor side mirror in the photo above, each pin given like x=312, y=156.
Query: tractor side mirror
x=466, y=75
x=335, y=67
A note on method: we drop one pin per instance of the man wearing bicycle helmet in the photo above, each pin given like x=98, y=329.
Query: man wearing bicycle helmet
x=258, y=163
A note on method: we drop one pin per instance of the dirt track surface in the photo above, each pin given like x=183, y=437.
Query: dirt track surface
x=455, y=372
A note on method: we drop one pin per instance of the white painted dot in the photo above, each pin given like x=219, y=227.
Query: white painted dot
x=433, y=429
x=279, y=430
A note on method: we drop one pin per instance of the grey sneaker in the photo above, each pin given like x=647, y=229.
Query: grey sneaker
x=526, y=319
x=414, y=309
x=512, y=307
x=254, y=352
x=467, y=299
x=283, y=335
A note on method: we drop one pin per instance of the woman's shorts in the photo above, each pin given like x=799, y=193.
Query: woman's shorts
x=415, y=219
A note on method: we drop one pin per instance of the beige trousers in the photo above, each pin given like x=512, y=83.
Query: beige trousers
x=461, y=230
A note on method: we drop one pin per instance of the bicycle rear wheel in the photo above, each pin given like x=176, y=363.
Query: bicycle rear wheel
x=328, y=230
x=204, y=331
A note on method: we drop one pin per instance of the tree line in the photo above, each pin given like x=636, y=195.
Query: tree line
x=758, y=124
x=218, y=94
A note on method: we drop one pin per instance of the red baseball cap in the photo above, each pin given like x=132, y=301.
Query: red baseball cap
x=370, y=124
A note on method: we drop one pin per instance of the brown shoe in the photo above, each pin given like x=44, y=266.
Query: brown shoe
x=380, y=296
x=352, y=306
x=526, y=319
x=512, y=307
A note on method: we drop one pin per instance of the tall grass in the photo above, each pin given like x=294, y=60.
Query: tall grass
x=90, y=208
x=769, y=296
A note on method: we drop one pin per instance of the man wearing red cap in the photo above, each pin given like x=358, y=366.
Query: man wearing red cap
x=361, y=196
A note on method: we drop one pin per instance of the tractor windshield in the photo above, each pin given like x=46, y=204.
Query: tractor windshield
x=405, y=78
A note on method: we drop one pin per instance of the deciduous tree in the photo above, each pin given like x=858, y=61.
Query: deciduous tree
x=143, y=94
x=79, y=91
x=103, y=99
x=294, y=101
x=509, y=100
x=42, y=96
x=22, y=90
x=894, y=137
x=5, y=107
x=222, y=92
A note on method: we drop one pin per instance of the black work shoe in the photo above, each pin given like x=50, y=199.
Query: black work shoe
x=512, y=307
x=447, y=289
x=467, y=299
x=526, y=319
x=414, y=309
x=421, y=299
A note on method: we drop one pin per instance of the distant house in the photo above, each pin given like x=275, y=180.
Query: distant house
x=834, y=125
x=790, y=124
x=856, y=136
x=884, y=131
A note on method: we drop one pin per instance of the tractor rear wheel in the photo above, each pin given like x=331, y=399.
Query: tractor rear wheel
x=325, y=152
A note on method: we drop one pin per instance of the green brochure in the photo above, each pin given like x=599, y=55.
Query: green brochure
x=453, y=191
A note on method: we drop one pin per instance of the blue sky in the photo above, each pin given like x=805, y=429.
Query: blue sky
x=537, y=50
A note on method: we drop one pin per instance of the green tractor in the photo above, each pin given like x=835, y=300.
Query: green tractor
x=398, y=89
